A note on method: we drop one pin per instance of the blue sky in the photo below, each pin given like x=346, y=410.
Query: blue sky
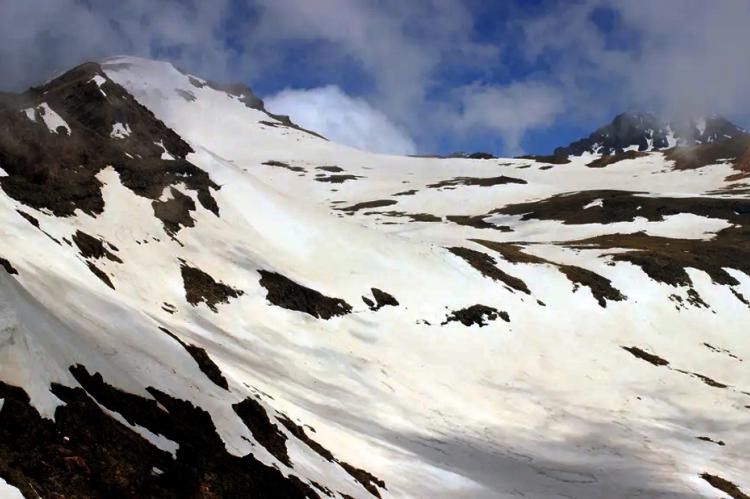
x=426, y=76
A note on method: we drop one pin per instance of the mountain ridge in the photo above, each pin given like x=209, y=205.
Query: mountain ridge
x=199, y=300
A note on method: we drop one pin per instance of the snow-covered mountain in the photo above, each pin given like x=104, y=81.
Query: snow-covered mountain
x=200, y=299
x=645, y=132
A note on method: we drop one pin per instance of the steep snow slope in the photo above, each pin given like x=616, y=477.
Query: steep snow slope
x=455, y=327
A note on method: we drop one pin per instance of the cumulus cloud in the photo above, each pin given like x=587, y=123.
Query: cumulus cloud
x=683, y=56
x=343, y=119
x=509, y=110
x=410, y=58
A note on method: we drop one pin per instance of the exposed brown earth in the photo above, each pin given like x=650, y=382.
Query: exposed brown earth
x=477, y=181
x=555, y=160
x=485, y=264
x=724, y=485
x=337, y=179
x=286, y=166
x=735, y=150
x=285, y=293
x=379, y=203
x=331, y=169
x=477, y=221
x=615, y=158
x=202, y=288
x=648, y=357
x=600, y=286
x=410, y=192
x=414, y=217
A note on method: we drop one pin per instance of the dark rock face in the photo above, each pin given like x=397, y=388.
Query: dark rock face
x=476, y=314
x=84, y=452
x=57, y=169
x=648, y=133
x=201, y=287
x=285, y=293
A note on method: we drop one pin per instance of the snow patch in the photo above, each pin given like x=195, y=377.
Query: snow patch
x=51, y=118
x=165, y=154
x=30, y=114
x=120, y=131
x=596, y=203
x=8, y=491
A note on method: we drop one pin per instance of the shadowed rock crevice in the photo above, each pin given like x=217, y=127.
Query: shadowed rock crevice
x=285, y=293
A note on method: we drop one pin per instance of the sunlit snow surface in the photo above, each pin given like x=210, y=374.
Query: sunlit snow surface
x=546, y=405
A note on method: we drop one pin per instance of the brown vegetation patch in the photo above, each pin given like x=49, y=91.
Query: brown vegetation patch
x=724, y=485
x=337, y=179
x=410, y=192
x=648, y=357
x=285, y=293
x=552, y=159
x=511, y=252
x=379, y=203
x=477, y=221
x=477, y=181
x=201, y=287
x=286, y=166
x=476, y=314
x=600, y=286
x=615, y=158
x=736, y=150
x=486, y=265
x=331, y=169
x=625, y=206
x=414, y=217
x=665, y=259
x=200, y=356
x=91, y=247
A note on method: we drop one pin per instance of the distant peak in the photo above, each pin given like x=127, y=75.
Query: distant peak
x=643, y=131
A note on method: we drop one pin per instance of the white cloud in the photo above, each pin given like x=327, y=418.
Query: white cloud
x=509, y=110
x=341, y=118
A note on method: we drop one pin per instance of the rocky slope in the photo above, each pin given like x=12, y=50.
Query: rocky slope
x=199, y=299
x=645, y=132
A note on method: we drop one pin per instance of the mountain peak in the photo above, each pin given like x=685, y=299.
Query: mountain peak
x=643, y=131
